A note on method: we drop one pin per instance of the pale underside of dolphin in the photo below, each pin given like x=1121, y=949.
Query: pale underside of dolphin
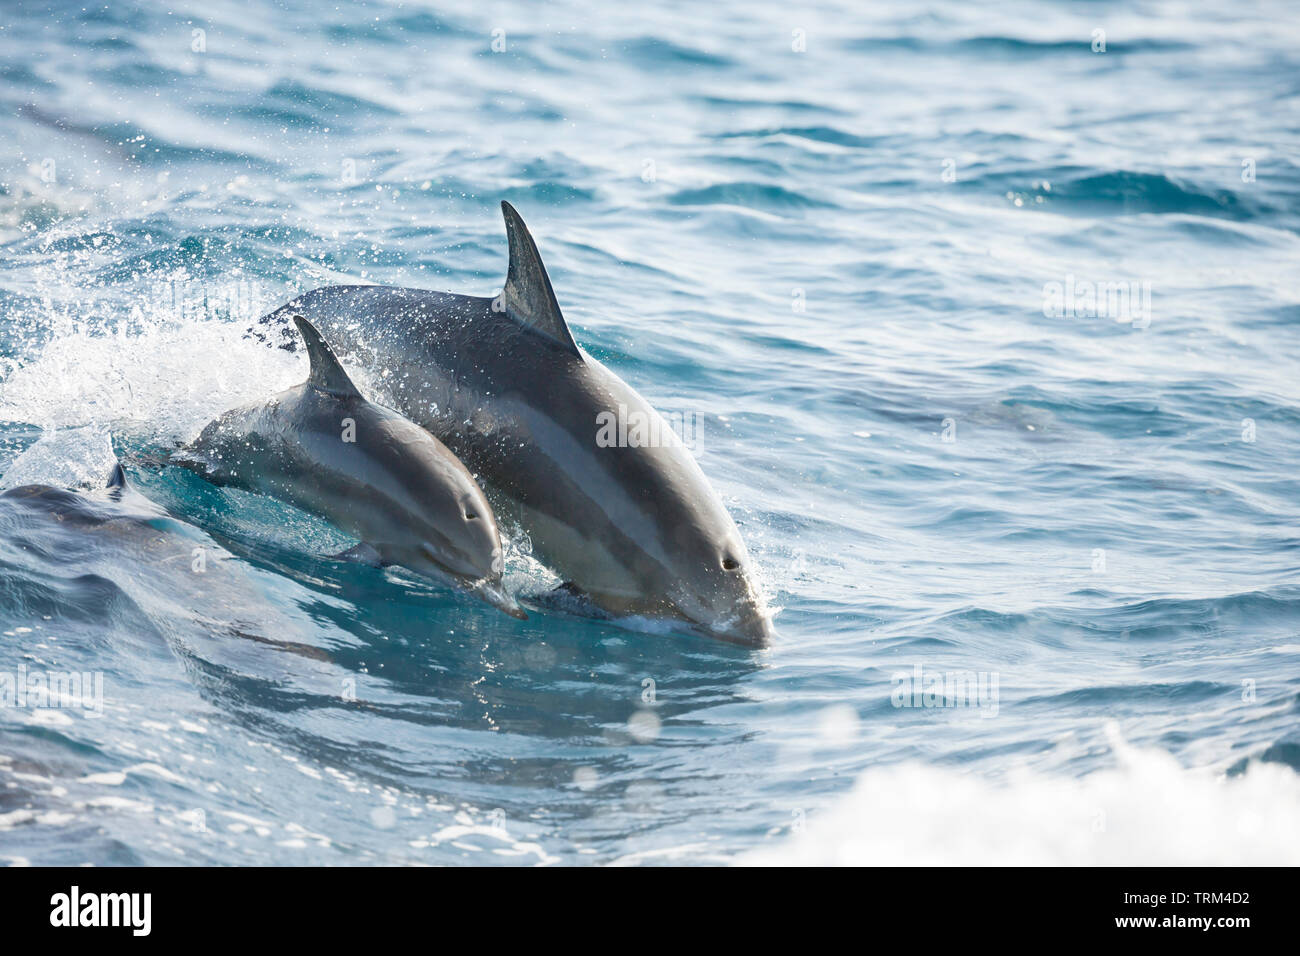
x=638, y=530
x=372, y=472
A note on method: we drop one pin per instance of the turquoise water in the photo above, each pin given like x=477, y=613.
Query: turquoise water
x=839, y=238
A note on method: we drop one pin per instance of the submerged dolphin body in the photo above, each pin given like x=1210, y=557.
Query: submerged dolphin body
x=322, y=447
x=638, y=530
x=122, y=547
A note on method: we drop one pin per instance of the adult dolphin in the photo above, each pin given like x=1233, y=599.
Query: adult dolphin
x=635, y=527
x=323, y=447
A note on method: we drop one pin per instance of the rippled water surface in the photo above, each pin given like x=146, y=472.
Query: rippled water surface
x=840, y=238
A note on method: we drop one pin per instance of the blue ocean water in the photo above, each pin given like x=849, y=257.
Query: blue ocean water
x=987, y=320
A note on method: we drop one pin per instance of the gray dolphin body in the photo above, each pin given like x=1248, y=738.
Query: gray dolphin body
x=637, y=529
x=323, y=447
x=121, y=544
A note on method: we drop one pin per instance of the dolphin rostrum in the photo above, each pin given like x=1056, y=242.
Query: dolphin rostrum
x=633, y=525
x=378, y=476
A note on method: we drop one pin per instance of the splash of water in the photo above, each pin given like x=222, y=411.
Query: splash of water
x=1146, y=811
x=68, y=458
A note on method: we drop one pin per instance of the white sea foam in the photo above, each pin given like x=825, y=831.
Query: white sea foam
x=1148, y=810
x=65, y=458
x=169, y=378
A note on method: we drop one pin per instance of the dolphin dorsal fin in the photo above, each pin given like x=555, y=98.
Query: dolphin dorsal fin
x=326, y=372
x=528, y=295
x=117, y=478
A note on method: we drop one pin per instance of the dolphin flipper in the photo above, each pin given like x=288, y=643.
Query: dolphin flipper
x=326, y=372
x=360, y=554
x=570, y=599
x=528, y=296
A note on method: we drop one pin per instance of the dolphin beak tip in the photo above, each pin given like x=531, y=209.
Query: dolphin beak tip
x=764, y=636
x=496, y=595
x=756, y=632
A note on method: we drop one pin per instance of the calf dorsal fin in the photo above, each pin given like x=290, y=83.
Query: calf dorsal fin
x=326, y=372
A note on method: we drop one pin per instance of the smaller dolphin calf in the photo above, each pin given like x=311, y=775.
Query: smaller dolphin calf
x=377, y=475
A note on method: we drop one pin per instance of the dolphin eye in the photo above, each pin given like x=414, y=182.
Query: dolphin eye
x=470, y=515
x=729, y=563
